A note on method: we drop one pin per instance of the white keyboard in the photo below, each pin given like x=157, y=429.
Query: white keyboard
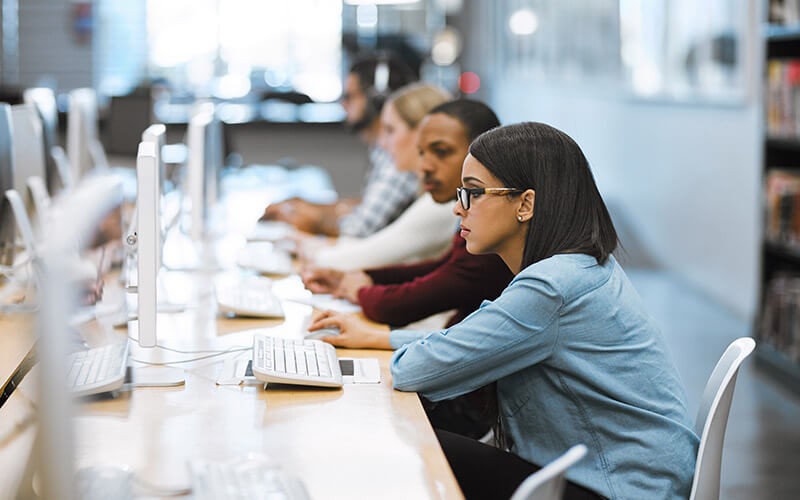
x=245, y=479
x=265, y=259
x=100, y=369
x=242, y=300
x=301, y=362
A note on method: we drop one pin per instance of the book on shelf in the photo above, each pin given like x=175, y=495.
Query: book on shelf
x=783, y=98
x=780, y=319
x=786, y=12
x=782, y=196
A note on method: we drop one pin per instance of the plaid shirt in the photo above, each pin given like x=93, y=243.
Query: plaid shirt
x=387, y=193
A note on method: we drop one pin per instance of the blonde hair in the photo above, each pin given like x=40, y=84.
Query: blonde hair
x=415, y=100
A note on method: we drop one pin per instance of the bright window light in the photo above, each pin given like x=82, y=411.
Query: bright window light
x=195, y=41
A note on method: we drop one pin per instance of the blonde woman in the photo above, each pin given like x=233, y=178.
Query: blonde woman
x=430, y=222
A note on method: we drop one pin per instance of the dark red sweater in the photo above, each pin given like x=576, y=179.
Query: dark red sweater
x=459, y=280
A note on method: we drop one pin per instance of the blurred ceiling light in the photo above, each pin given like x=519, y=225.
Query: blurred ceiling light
x=523, y=22
x=367, y=16
x=446, y=47
x=378, y=2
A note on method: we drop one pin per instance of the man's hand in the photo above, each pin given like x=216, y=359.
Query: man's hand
x=305, y=216
x=322, y=280
x=350, y=284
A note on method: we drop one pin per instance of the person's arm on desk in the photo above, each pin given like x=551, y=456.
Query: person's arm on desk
x=308, y=217
x=322, y=280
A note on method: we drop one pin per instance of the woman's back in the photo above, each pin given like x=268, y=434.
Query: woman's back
x=576, y=360
x=607, y=381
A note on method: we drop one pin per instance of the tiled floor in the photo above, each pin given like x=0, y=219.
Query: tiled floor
x=762, y=444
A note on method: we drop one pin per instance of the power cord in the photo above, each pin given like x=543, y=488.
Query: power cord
x=211, y=354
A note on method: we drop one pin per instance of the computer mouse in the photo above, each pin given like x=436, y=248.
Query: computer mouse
x=323, y=332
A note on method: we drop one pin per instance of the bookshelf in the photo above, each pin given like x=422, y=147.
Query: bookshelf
x=777, y=325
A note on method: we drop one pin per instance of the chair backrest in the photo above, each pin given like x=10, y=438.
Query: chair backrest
x=548, y=483
x=712, y=419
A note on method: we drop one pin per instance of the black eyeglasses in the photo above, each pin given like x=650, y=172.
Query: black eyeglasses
x=465, y=194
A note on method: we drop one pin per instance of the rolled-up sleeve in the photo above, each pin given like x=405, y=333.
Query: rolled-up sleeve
x=517, y=330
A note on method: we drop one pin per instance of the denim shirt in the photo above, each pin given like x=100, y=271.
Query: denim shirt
x=576, y=360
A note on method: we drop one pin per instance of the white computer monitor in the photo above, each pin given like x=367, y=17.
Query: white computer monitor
x=157, y=134
x=204, y=139
x=7, y=225
x=28, y=150
x=83, y=146
x=44, y=100
x=148, y=240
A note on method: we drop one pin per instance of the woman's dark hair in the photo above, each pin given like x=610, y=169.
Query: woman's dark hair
x=475, y=116
x=569, y=215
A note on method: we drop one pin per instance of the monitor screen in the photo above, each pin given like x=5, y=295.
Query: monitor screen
x=81, y=130
x=156, y=135
x=204, y=138
x=44, y=100
x=28, y=149
x=7, y=226
x=148, y=240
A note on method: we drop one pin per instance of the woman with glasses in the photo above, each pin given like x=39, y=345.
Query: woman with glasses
x=574, y=355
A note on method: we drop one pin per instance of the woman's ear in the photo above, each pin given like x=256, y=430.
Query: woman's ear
x=527, y=200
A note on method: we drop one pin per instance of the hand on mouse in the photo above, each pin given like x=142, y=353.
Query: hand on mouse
x=354, y=332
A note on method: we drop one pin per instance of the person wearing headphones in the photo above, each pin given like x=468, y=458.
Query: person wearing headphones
x=387, y=192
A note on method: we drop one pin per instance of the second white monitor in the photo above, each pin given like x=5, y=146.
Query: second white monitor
x=148, y=244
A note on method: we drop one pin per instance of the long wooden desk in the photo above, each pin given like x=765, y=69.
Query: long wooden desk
x=363, y=441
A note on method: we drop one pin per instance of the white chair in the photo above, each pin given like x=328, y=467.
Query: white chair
x=548, y=483
x=712, y=419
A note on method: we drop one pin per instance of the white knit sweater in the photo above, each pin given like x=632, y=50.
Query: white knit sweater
x=424, y=231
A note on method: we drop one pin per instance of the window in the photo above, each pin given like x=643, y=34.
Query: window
x=227, y=47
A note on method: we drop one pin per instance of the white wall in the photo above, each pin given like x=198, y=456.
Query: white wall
x=685, y=179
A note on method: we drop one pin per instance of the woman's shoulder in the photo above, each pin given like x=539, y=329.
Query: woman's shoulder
x=571, y=275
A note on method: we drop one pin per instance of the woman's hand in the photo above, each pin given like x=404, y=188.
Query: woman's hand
x=350, y=284
x=322, y=280
x=354, y=332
